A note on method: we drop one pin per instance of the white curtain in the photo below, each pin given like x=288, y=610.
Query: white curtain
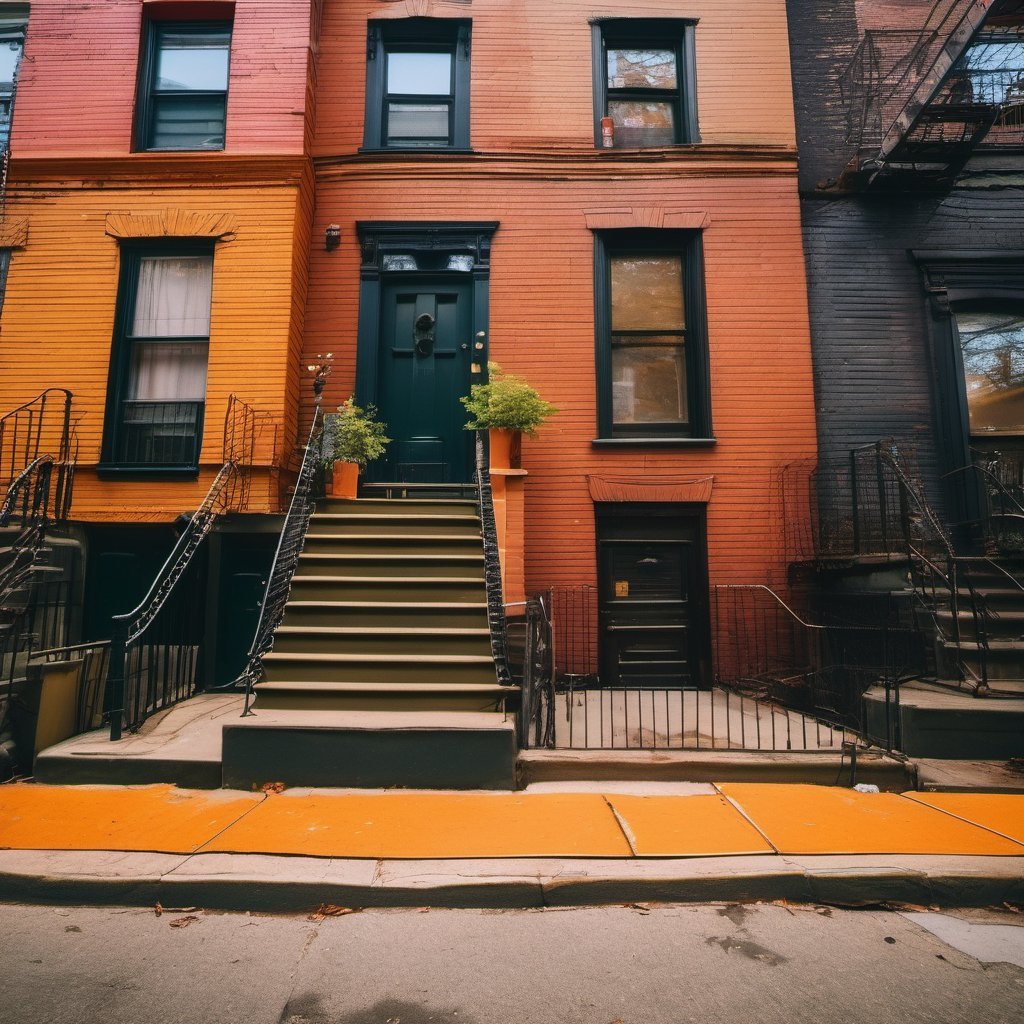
x=172, y=300
x=173, y=297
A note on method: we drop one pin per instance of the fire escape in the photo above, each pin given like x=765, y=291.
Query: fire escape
x=919, y=102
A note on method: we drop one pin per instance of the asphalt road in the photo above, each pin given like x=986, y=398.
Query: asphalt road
x=635, y=965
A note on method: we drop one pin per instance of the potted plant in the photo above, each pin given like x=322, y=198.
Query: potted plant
x=506, y=406
x=357, y=438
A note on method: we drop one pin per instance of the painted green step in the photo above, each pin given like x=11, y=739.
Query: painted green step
x=381, y=640
x=415, y=544
x=454, y=669
x=363, y=696
x=398, y=506
x=392, y=525
x=371, y=588
x=391, y=614
x=467, y=566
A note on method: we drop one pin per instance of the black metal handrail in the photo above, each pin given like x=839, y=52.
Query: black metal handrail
x=531, y=636
x=145, y=675
x=41, y=426
x=492, y=562
x=286, y=560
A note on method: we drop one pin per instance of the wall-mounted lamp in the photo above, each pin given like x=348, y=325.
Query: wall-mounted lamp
x=332, y=237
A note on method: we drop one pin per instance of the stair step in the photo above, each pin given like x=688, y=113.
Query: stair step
x=386, y=668
x=381, y=640
x=390, y=614
x=370, y=543
x=401, y=506
x=389, y=525
x=391, y=565
x=377, y=588
x=378, y=696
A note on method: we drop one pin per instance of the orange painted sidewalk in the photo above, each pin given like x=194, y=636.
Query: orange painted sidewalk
x=739, y=819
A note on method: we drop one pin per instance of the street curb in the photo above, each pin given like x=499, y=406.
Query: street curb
x=302, y=884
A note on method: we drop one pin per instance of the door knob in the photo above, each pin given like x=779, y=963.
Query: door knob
x=464, y=347
x=423, y=333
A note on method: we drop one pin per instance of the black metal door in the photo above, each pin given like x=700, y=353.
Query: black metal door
x=652, y=600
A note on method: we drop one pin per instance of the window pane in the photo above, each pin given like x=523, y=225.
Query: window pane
x=10, y=55
x=649, y=384
x=173, y=297
x=420, y=74
x=993, y=352
x=193, y=60
x=411, y=121
x=184, y=122
x=647, y=293
x=168, y=371
x=642, y=69
x=643, y=124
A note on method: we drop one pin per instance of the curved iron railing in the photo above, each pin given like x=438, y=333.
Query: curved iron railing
x=492, y=562
x=41, y=426
x=286, y=559
x=154, y=648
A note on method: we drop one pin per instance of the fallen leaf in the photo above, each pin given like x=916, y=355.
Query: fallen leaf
x=183, y=922
x=272, y=787
x=158, y=910
x=1012, y=907
x=72, y=928
x=330, y=910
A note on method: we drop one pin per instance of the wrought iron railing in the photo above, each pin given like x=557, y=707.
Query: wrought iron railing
x=159, y=433
x=286, y=560
x=94, y=659
x=39, y=427
x=155, y=648
x=492, y=562
x=531, y=662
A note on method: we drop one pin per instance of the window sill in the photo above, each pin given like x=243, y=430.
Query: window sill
x=110, y=471
x=654, y=150
x=654, y=442
x=415, y=150
x=183, y=149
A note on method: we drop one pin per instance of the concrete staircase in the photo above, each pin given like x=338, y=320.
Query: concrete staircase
x=381, y=671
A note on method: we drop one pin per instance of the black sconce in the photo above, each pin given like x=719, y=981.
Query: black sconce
x=332, y=237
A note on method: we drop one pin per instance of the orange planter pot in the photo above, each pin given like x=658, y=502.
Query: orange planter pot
x=345, y=481
x=506, y=448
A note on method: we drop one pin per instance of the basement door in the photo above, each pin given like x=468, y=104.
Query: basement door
x=424, y=362
x=652, y=612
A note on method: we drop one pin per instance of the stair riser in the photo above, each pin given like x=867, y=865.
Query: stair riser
x=996, y=628
x=398, y=527
x=328, y=565
x=326, y=545
x=383, y=590
x=269, y=700
x=293, y=668
x=394, y=643
x=1000, y=664
x=397, y=506
x=451, y=618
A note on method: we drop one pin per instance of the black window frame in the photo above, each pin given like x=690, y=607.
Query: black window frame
x=13, y=29
x=144, y=121
x=119, y=374
x=688, y=244
x=417, y=35
x=657, y=33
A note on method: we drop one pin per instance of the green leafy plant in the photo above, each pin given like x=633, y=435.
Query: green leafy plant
x=505, y=402
x=358, y=435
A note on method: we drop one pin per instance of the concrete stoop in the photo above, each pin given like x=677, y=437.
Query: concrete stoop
x=370, y=750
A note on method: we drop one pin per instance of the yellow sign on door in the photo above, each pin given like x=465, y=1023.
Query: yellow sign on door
x=622, y=588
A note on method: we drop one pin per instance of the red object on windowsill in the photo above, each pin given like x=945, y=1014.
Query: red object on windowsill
x=607, y=132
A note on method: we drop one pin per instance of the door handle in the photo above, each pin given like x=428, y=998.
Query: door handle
x=423, y=333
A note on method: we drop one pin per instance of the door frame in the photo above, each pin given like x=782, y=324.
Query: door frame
x=700, y=620
x=426, y=239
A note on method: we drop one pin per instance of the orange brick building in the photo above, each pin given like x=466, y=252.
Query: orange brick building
x=653, y=289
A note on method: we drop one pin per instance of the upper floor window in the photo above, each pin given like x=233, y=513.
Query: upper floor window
x=652, y=359
x=417, y=84
x=12, y=45
x=183, y=87
x=157, y=388
x=644, y=92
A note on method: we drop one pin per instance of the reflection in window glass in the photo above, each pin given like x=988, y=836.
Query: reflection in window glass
x=647, y=293
x=648, y=383
x=10, y=58
x=417, y=122
x=642, y=69
x=194, y=61
x=992, y=343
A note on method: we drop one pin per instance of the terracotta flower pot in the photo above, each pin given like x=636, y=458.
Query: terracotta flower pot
x=345, y=481
x=506, y=448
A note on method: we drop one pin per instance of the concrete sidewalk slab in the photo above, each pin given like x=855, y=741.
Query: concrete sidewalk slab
x=819, y=820
x=416, y=825
x=1002, y=813
x=303, y=884
x=159, y=818
x=686, y=826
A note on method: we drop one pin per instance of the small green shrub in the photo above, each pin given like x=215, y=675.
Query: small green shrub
x=358, y=435
x=505, y=402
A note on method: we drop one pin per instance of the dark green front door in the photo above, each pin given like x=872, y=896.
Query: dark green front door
x=424, y=364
